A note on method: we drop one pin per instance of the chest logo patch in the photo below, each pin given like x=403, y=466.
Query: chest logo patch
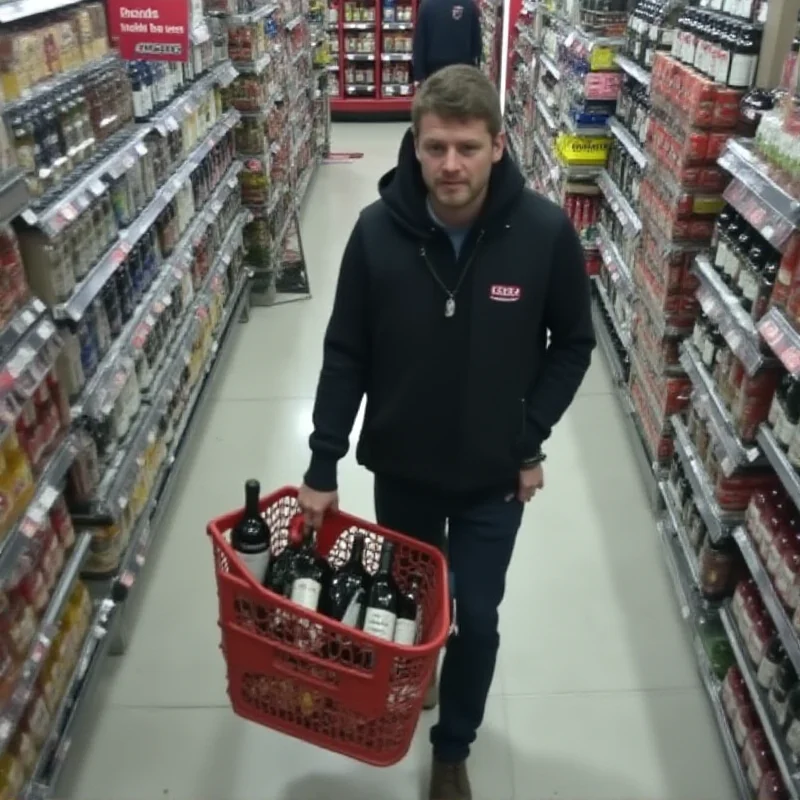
x=458, y=12
x=503, y=293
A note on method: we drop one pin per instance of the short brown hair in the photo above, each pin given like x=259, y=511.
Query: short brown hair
x=458, y=92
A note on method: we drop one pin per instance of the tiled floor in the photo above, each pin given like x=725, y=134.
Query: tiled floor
x=595, y=697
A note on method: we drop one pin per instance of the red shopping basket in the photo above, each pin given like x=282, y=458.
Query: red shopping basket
x=309, y=676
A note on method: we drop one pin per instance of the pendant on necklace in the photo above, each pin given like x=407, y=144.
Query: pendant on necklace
x=450, y=307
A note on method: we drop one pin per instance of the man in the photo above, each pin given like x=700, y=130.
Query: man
x=449, y=286
x=446, y=32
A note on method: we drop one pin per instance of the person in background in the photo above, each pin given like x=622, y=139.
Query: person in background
x=449, y=286
x=446, y=32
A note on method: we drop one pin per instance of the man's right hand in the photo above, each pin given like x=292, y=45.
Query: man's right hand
x=315, y=505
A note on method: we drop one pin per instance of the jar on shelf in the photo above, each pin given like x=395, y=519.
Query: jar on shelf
x=782, y=686
x=772, y=787
x=757, y=758
x=773, y=657
x=716, y=568
x=734, y=692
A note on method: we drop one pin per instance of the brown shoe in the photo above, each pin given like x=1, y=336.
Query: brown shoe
x=431, y=699
x=450, y=781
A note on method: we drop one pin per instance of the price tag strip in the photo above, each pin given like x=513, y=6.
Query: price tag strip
x=753, y=193
x=90, y=287
x=26, y=367
x=25, y=684
x=619, y=270
x=22, y=536
x=54, y=751
x=723, y=307
x=736, y=453
x=100, y=394
x=782, y=339
x=627, y=217
x=718, y=522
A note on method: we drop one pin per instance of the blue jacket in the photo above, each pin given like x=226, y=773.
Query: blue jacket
x=446, y=32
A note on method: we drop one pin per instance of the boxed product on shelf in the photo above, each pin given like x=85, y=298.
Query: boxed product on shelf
x=36, y=51
x=250, y=92
x=658, y=439
x=663, y=196
x=691, y=97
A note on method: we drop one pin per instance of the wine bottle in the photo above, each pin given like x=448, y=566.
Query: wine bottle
x=343, y=595
x=308, y=572
x=381, y=615
x=407, y=629
x=280, y=566
x=250, y=537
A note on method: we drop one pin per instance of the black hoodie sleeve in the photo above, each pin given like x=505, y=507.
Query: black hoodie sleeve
x=568, y=318
x=420, y=44
x=343, y=378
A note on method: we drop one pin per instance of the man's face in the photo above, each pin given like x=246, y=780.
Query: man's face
x=456, y=158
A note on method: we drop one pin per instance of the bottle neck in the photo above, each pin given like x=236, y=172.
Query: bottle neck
x=251, y=500
x=387, y=554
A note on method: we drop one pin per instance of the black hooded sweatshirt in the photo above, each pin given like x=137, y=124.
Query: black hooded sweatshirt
x=454, y=404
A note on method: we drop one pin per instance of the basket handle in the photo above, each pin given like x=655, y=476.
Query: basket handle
x=297, y=527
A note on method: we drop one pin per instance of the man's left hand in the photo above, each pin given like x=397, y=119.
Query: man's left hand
x=531, y=480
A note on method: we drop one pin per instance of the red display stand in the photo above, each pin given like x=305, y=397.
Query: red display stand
x=372, y=68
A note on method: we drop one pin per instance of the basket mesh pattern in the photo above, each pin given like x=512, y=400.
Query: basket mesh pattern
x=339, y=689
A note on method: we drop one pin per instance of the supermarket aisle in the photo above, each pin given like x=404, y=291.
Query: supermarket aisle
x=596, y=695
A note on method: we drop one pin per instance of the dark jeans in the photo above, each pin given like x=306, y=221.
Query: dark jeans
x=480, y=539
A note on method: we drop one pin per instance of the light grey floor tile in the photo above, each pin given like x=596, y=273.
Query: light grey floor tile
x=617, y=746
x=209, y=754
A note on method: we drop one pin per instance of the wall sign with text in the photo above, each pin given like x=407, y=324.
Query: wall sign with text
x=150, y=30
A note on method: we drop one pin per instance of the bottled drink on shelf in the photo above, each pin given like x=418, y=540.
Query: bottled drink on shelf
x=308, y=572
x=280, y=566
x=408, y=628
x=770, y=663
x=343, y=595
x=380, y=618
x=250, y=537
x=789, y=414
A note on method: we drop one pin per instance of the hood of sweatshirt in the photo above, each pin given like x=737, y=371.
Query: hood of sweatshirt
x=404, y=191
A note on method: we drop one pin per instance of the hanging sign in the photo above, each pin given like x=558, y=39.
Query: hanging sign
x=150, y=30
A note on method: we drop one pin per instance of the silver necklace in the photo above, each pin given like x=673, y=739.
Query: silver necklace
x=450, y=302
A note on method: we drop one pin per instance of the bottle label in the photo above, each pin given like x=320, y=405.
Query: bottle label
x=793, y=737
x=786, y=430
x=380, y=623
x=405, y=632
x=305, y=592
x=741, y=66
x=256, y=563
x=721, y=258
x=775, y=413
x=708, y=353
x=785, y=580
x=723, y=66
x=353, y=613
x=766, y=672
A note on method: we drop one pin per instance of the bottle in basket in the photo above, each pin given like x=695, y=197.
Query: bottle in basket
x=250, y=538
x=381, y=616
x=280, y=565
x=343, y=595
x=308, y=573
x=407, y=629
